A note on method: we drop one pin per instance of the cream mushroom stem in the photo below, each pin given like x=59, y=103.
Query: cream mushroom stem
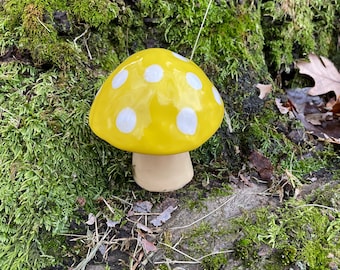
x=162, y=173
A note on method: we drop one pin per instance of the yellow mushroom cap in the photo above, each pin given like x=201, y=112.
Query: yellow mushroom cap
x=156, y=102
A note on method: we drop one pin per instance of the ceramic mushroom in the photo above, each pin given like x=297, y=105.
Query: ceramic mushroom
x=158, y=105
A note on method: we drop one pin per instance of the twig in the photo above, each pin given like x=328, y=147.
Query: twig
x=207, y=215
x=89, y=257
x=122, y=200
x=108, y=206
x=319, y=205
x=216, y=253
x=228, y=121
x=87, y=47
x=194, y=262
x=176, y=262
x=201, y=28
x=48, y=30
x=179, y=241
x=181, y=252
x=96, y=229
x=81, y=35
x=146, y=214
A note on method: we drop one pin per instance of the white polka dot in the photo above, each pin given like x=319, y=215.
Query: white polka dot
x=119, y=79
x=153, y=73
x=180, y=57
x=217, y=95
x=187, y=121
x=126, y=120
x=194, y=81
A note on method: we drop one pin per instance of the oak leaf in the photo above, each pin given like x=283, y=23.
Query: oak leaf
x=324, y=73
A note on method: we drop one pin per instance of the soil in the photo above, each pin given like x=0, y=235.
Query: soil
x=242, y=199
x=215, y=211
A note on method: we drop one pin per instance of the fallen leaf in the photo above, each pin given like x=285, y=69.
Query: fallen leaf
x=302, y=101
x=169, y=202
x=142, y=207
x=163, y=217
x=283, y=108
x=245, y=179
x=318, y=114
x=148, y=246
x=316, y=119
x=265, y=90
x=330, y=104
x=143, y=227
x=325, y=75
x=262, y=165
x=110, y=223
x=91, y=219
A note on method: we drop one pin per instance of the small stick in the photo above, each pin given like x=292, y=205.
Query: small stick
x=81, y=35
x=48, y=30
x=201, y=28
x=215, y=253
x=176, y=262
x=87, y=47
x=121, y=200
x=228, y=121
x=181, y=252
x=96, y=229
x=108, y=206
x=318, y=205
x=179, y=241
x=82, y=264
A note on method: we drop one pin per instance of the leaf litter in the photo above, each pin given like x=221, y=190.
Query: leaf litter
x=163, y=217
x=325, y=75
x=135, y=233
x=317, y=107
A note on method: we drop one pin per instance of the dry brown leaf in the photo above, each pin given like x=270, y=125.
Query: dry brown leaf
x=282, y=108
x=262, y=165
x=316, y=119
x=245, y=179
x=148, y=246
x=265, y=90
x=324, y=73
x=143, y=227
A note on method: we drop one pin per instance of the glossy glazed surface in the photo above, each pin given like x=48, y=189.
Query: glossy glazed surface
x=156, y=102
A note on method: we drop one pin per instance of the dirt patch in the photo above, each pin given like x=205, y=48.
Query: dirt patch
x=243, y=199
x=216, y=212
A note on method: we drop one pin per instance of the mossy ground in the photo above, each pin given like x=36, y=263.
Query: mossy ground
x=301, y=232
x=54, y=56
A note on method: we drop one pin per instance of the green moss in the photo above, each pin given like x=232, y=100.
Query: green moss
x=214, y=262
x=298, y=27
x=50, y=158
x=295, y=233
x=81, y=36
x=197, y=242
x=233, y=35
x=95, y=13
